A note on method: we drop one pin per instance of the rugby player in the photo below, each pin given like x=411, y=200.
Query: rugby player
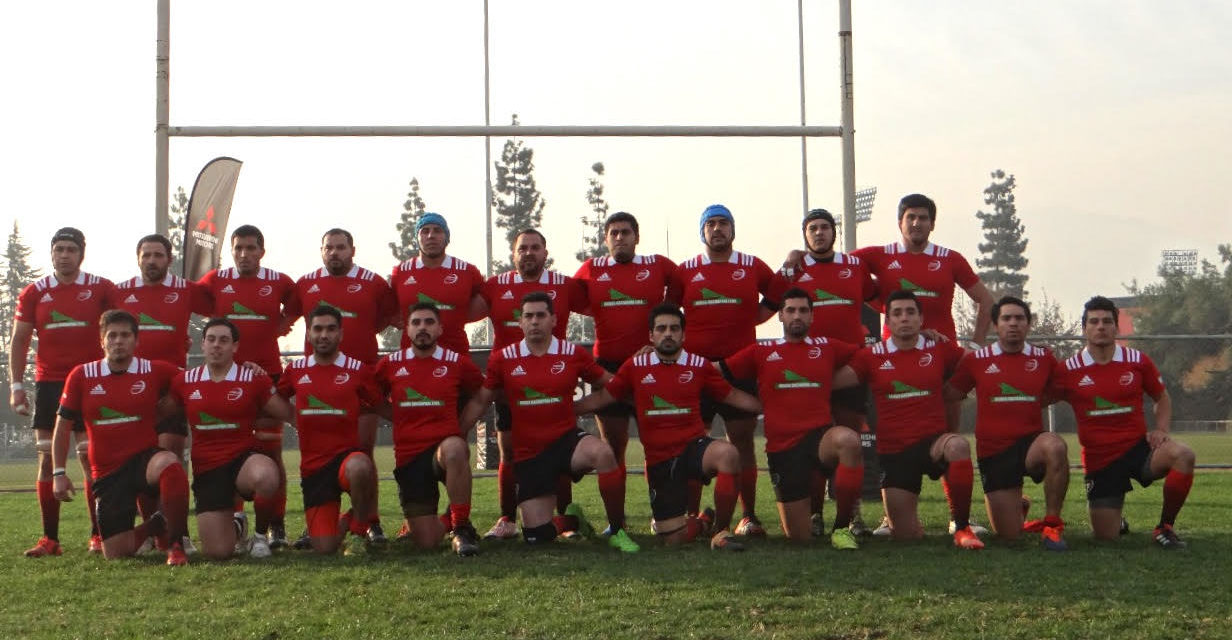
x=666, y=387
x=502, y=297
x=331, y=390
x=116, y=398
x=1011, y=379
x=539, y=374
x=726, y=294
x=367, y=305
x=424, y=385
x=794, y=376
x=454, y=286
x=907, y=374
x=1105, y=383
x=222, y=401
x=61, y=309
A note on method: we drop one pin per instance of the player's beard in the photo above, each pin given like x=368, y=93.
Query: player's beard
x=423, y=341
x=530, y=268
x=667, y=347
x=337, y=267
x=796, y=329
x=154, y=273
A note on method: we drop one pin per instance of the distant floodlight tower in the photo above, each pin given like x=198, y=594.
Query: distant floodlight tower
x=864, y=207
x=1183, y=261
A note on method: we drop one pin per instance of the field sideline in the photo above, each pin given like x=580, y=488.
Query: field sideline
x=1127, y=589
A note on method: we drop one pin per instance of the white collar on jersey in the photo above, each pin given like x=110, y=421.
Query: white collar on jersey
x=682, y=356
x=997, y=350
x=891, y=347
x=447, y=263
x=734, y=258
x=167, y=281
x=324, y=273
x=133, y=366
x=554, y=348
x=1117, y=356
x=544, y=278
x=609, y=261
x=929, y=250
x=839, y=258
x=81, y=279
x=339, y=360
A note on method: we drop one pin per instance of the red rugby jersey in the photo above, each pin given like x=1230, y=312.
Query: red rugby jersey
x=328, y=401
x=906, y=386
x=1009, y=392
x=838, y=289
x=119, y=410
x=504, y=292
x=794, y=381
x=163, y=311
x=540, y=391
x=721, y=301
x=1107, y=401
x=256, y=305
x=424, y=393
x=365, y=300
x=221, y=413
x=621, y=295
x=450, y=287
x=667, y=396
x=65, y=319
x=931, y=275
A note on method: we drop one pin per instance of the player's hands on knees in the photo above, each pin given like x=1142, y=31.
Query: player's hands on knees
x=62, y=488
x=20, y=402
x=1156, y=438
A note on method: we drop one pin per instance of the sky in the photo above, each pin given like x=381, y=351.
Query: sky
x=1112, y=116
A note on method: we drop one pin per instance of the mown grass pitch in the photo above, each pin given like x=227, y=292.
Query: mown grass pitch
x=1126, y=589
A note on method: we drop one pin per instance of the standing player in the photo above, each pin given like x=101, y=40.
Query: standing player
x=502, y=295
x=163, y=305
x=452, y=285
x=424, y=385
x=62, y=310
x=116, y=398
x=539, y=375
x=262, y=304
x=222, y=401
x=622, y=287
x=726, y=294
x=331, y=390
x=1104, y=383
x=802, y=443
x=367, y=306
x=678, y=451
x=907, y=375
x=1011, y=380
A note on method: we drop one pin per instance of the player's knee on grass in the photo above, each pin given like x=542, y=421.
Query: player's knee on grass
x=542, y=534
x=1106, y=520
x=427, y=531
x=671, y=531
x=1005, y=512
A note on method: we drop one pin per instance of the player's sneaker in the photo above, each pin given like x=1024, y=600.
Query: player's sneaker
x=176, y=556
x=706, y=517
x=965, y=538
x=278, y=536
x=975, y=528
x=258, y=547
x=817, y=525
x=621, y=540
x=302, y=543
x=465, y=540
x=1051, y=539
x=96, y=544
x=376, y=535
x=1033, y=526
x=45, y=547
x=240, y=521
x=574, y=510
x=187, y=545
x=750, y=527
x=148, y=546
x=1124, y=526
x=844, y=539
x=1167, y=538
x=404, y=532
x=566, y=527
x=857, y=526
x=355, y=546
x=884, y=528
x=725, y=541
x=504, y=529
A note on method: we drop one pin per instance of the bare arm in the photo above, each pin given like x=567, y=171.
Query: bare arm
x=742, y=401
x=277, y=408
x=18, y=355
x=1163, y=421
x=950, y=394
x=475, y=408
x=845, y=378
x=478, y=309
x=983, y=318
x=593, y=402
x=62, y=486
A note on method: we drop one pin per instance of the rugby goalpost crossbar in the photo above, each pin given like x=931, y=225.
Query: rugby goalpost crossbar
x=164, y=131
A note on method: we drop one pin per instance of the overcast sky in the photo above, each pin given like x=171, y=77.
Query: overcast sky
x=1113, y=116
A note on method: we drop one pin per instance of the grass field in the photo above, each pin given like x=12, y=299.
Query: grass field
x=1126, y=589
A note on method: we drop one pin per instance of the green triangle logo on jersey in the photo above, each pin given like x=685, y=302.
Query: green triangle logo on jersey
x=1107, y=408
x=793, y=380
x=823, y=298
x=316, y=407
x=1009, y=393
x=109, y=416
x=903, y=390
x=240, y=312
x=532, y=397
x=417, y=399
x=344, y=312
x=206, y=418
x=619, y=299
x=149, y=323
x=61, y=321
x=907, y=285
x=710, y=296
x=664, y=408
x=423, y=297
x=207, y=422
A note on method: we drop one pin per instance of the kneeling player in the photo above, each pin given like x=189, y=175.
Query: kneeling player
x=331, y=389
x=117, y=399
x=222, y=402
x=424, y=384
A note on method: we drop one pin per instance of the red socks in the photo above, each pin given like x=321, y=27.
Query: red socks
x=263, y=510
x=959, y=477
x=459, y=514
x=612, y=490
x=173, y=492
x=507, y=491
x=724, y=500
x=1176, y=489
x=847, y=483
x=748, y=489
x=49, y=508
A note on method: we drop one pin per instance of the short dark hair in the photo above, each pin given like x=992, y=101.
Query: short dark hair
x=424, y=306
x=797, y=292
x=222, y=322
x=539, y=296
x=526, y=231
x=249, y=231
x=69, y=234
x=664, y=309
x=325, y=310
x=916, y=200
x=903, y=294
x=339, y=232
x=155, y=237
x=996, y=307
x=116, y=316
x=1100, y=303
x=621, y=216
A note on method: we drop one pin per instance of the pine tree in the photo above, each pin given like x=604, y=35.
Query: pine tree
x=592, y=224
x=517, y=200
x=1002, y=261
x=407, y=246
x=177, y=218
x=17, y=274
